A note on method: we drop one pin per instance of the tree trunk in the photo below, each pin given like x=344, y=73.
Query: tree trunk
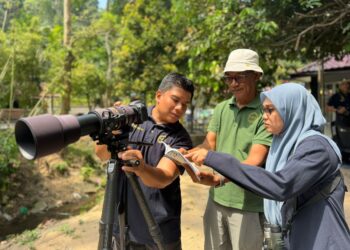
x=109, y=86
x=88, y=99
x=106, y=99
x=67, y=79
x=4, y=21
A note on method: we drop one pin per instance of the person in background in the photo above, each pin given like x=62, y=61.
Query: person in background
x=340, y=104
x=232, y=217
x=158, y=176
x=302, y=184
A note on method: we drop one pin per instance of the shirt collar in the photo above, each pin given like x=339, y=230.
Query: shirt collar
x=255, y=103
x=169, y=126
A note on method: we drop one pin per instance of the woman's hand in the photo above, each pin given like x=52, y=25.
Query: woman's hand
x=205, y=178
x=197, y=155
x=209, y=179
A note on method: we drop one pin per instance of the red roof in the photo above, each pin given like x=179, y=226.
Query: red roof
x=329, y=64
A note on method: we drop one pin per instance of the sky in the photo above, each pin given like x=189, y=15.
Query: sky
x=102, y=4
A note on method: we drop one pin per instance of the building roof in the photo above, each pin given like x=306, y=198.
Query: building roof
x=330, y=64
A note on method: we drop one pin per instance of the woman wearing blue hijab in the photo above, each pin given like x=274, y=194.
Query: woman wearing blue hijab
x=302, y=186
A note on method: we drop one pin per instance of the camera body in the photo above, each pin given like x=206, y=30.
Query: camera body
x=45, y=134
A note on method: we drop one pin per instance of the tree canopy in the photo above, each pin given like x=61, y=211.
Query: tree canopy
x=124, y=51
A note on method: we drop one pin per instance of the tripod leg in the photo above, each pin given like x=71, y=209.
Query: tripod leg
x=151, y=223
x=122, y=228
x=107, y=218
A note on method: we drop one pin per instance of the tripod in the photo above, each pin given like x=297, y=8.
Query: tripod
x=108, y=212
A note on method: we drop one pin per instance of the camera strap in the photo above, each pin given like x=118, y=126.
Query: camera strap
x=317, y=194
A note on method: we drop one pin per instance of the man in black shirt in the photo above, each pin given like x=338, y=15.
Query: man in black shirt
x=158, y=176
x=340, y=103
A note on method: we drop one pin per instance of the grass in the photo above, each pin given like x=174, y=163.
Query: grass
x=28, y=237
x=67, y=230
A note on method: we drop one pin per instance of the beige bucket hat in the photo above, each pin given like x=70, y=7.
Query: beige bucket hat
x=242, y=60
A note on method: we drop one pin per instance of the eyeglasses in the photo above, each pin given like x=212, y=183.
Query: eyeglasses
x=268, y=110
x=240, y=78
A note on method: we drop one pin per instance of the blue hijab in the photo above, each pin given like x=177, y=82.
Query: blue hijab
x=302, y=118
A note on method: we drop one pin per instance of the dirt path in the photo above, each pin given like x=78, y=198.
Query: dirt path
x=81, y=232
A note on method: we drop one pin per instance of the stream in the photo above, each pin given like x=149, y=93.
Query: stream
x=31, y=221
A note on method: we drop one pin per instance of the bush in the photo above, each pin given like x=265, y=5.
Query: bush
x=86, y=172
x=61, y=167
x=81, y=154
x=9, y=158
x=28, y=237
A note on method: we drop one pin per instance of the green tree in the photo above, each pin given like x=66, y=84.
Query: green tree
x=309, y=29
x=145, y=47
x=68, y=59
x=216, y=28
x=9, y=160
x=127, y=49
x=24, y=45
x=49, y=12
x=9, y=9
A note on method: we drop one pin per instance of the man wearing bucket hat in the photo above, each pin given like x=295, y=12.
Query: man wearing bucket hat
x=231, y=219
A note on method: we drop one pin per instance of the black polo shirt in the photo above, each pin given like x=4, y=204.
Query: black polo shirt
x=165, y=204
x=337, y=100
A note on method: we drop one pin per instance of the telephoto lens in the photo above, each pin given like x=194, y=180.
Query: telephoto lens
x=42, y=135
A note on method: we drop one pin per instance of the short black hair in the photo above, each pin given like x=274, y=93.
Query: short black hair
x=178, y=80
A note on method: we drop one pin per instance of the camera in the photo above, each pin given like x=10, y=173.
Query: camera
x=45, y=134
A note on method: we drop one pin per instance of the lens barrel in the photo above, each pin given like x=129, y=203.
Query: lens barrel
x=42, y=135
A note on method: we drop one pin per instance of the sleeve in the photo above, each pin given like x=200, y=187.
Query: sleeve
x=182, y=140
x=214, y=123
x=262, y=136
x=333, y=101
x=310, y=164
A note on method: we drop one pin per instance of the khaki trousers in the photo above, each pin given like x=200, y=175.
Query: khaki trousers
x=231, y=229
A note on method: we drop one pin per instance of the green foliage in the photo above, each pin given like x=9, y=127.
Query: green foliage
x=81, y=154
x=126, y=50
x=28, y=237
x=87, y=172
x=309, y=29
x=216, y=28
x=49, y=12
x=61, y=167
x=67, y=230
x=145, y=48
x=9, y=158
x=88, y=82
x=310, y=4
x=24, y=45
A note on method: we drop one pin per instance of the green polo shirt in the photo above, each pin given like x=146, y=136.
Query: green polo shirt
x=236, y=131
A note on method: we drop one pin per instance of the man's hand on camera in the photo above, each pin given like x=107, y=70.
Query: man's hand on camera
x=132, y=155
x=158, y=176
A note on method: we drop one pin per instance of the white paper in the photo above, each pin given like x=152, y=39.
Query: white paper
x=176, y=156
